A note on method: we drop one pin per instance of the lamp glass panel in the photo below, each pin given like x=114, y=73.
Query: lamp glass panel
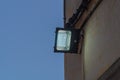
x=63, y=40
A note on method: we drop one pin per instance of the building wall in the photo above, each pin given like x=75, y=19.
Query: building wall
x=73, y=67
x=101, y=41
x=70, y=7
x=72, y=62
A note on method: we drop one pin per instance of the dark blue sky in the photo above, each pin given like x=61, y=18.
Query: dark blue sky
x=27, y=39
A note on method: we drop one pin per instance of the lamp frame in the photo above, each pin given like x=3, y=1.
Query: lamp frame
x=75, y=37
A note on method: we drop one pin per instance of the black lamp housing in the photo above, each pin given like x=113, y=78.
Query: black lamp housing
x=66, y=40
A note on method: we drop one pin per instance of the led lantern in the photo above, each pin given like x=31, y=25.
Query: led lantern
x=66, y=40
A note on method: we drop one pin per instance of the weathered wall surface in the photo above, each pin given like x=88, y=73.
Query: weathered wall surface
x=102, y=39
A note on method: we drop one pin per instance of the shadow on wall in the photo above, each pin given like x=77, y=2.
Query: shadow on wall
x=113, y=73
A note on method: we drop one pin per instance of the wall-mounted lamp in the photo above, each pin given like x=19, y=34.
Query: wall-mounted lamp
x=66, y=40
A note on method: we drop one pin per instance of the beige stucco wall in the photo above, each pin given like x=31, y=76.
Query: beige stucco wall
x=101, y=42
x=102, y=39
